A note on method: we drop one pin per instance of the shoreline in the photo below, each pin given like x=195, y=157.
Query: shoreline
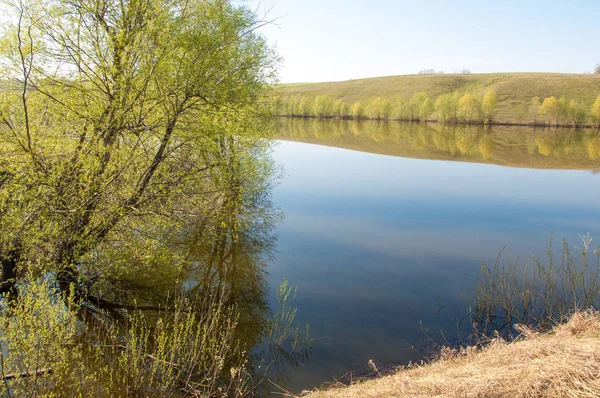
x=561, y=362
x=458, y=123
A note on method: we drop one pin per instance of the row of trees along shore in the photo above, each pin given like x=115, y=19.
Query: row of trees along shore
x=449, y=108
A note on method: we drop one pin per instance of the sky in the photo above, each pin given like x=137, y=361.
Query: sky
x=334, y=40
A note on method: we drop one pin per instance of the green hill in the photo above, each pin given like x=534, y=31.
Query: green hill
x=515, y=90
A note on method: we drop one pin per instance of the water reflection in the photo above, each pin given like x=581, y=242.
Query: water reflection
x=221, y=249
x=502, y=145
x=385, y=247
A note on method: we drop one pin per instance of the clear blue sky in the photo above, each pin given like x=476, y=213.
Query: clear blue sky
x=328, y=40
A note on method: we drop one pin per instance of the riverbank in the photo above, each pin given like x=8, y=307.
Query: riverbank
x=535, y=125
x=564, y=362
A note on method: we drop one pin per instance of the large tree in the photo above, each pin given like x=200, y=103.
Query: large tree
x=117, y=116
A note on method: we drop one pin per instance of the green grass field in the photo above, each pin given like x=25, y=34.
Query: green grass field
x=515, y=90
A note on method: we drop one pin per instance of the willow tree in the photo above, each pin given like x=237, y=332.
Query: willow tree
x=357, y=111
x=467, y=107
x=323, y=106
x=550, y=110
x=426, y=110
x=379, y=109
x=489, y=106
x=121, y=117
x=415, y=104
x=303, y=107
x=577, y=113
x=446, y=107
x=595, y=112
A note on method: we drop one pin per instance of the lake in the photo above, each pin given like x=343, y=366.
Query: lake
x=387, y=226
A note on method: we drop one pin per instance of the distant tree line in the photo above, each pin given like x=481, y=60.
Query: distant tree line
x=449, y=108
x=564, y=112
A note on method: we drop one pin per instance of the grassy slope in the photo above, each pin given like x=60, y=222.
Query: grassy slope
x=515, y=90
x=562, y=363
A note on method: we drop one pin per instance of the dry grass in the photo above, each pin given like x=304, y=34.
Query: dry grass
x=515, y=90
x=562, y=363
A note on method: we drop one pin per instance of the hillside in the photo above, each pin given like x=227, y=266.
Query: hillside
x=562, y=363
x=515, y=90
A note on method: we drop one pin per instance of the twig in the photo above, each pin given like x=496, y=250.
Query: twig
x=285, y=392
x=39, y=372
x=373, y=367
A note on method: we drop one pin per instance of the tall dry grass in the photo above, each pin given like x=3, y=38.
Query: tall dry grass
x=563, y=362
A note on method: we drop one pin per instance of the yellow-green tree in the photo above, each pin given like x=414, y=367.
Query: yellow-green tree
x=563, y=110
x=132, y=123
x=577, y=113
x=489, y=105
x=303, y=107
x=426, y=110
x=401, y=109
x=336, y=109
x=416, y=102
x=344, y=111
x=446, y=107
x=323, y=106
x=357, y=111
x=595, y=112
x=550, y=110
x=468, y=107
x=292, y=105
x=379, y=109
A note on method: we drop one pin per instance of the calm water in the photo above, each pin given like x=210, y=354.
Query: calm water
x=383, y=246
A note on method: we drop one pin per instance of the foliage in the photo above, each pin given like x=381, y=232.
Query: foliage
x=489, y=105
x=291, y=105
x=113, y=133
x=426, y=110
x=38, y=333
x=357, y=111
x=132, y=168
x=467, y=106
x=455, y=108
x=401, y=109
x=323, y=106
x=338, y=108
x=415, y=104
x=446, y=108
x=577, y=113
x=380, y=109
x=595, y=112
x=172, y=351
x=46, y=349
x=550, y=110
x=303, y=108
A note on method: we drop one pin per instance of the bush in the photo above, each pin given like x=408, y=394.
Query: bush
x=46, y=350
